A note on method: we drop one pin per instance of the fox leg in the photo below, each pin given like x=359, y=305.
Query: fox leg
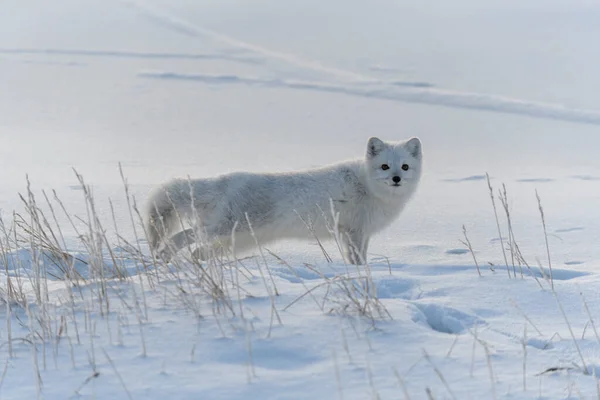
x=355, y=245
x=214, y=248
x=208, y=242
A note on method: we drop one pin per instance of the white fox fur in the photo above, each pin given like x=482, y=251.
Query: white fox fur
x=367, y=195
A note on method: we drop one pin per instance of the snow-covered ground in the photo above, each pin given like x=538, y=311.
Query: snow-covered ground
x=176, y=88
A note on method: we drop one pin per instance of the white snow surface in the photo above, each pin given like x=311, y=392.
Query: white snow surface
x=184, y=88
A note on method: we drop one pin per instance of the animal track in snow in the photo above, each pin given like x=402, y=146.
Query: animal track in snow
x=457, y=251
x=567, y=230
x=445, y=319
x=383, y=91
x=273, y=353
x=392, y=288
x=121, y=54
x=575, y=262
x=586, y=177
x=535, y=180
x=466, y=179
x=560, y=274
x=379, y=89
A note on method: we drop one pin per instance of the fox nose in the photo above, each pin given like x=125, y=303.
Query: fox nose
x=396, y=179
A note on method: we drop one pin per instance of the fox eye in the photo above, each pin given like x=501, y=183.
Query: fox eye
x=405, y=167
x=385, y=167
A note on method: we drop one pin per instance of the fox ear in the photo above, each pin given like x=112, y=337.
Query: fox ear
x=374, y=146
x=413, y=146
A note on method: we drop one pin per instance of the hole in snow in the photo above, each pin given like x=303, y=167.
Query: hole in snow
x=389, y=287
x=445, y=319
x=457, y=251
x=574, y=262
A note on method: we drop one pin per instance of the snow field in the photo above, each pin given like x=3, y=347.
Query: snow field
x=108, y=320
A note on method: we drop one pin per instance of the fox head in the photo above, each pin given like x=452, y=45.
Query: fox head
x=393, y=168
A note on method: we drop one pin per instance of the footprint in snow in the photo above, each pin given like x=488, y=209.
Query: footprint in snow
x=421, y=247
x=445, y=319
x=586, y=177
x=457, y=251
x=567, y=230
x=535, y=180
x=389, y=287
x=466, y=179
x=273, y=354
x=575, y=262
x=561, y=274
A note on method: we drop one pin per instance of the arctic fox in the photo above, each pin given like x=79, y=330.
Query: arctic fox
x=352, y=199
